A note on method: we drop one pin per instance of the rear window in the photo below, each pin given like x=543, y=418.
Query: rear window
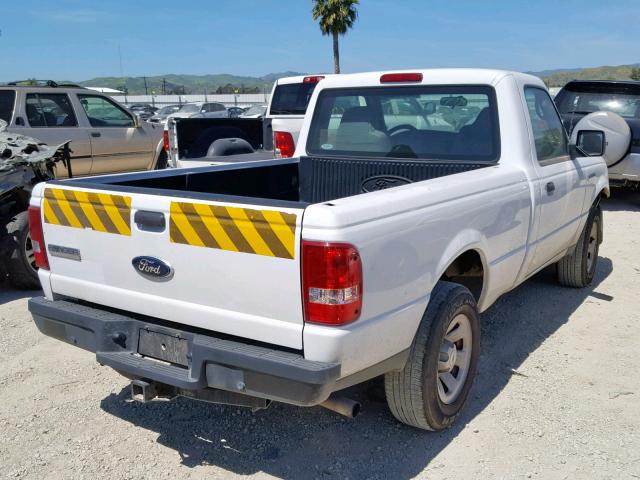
x=425, y=122
x=7, y=101
x=291, y=99
x=589, y=98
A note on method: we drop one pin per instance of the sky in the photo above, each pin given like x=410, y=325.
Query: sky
x=81, y=39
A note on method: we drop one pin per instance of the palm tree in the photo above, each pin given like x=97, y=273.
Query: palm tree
x=335, y=18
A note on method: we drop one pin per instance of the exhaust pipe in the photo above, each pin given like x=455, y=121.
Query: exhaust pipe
x=343, y=406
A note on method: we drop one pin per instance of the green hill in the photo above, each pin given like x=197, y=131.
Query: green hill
x=227, y=83
x=557, y=78
x=189, y=84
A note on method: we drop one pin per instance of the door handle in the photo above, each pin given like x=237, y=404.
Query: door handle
x=96, y=134
x=150, y=221
x=591, y=175
x=551, y=187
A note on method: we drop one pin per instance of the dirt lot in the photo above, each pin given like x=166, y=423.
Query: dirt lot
x=558, y=396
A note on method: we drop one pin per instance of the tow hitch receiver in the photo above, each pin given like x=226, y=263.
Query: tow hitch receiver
x=142, y=391
x=148, y=391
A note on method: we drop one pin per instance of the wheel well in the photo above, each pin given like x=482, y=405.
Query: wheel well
x=467, y=270
x=604, y=193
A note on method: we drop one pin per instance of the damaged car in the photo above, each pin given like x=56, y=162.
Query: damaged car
x=24, y=162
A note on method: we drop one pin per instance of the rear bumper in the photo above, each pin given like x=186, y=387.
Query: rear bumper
x=627, y=171
x=213, y=362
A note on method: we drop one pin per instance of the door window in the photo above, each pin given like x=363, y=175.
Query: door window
x=7, y=101
x=549, y=135
x=50, y=110
x=102, y=112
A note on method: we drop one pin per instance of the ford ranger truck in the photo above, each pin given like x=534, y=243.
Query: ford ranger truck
x=414, y=201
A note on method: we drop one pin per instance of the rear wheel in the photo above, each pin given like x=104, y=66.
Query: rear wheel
x=578, y=268
x=162, y=162
x=431, y=390
x=21, y=264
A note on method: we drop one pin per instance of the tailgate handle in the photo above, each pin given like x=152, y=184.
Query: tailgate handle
x=150, y=221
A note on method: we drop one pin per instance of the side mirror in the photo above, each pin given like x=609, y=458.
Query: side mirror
x=453, y=102
x=603, y=134
x=136, y=121
x=591, y=142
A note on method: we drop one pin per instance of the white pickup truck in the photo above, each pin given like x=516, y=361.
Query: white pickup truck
x=197, y=142
x=416, y=199
x=287, y=109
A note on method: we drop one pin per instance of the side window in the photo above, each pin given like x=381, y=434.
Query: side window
x=548, y=132
x=218, y=107
x=7, y=101
x=102, y=112
x=50, y=110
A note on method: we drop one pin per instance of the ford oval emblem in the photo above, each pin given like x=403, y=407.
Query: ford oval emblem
x=153, y=268
x=382, y=182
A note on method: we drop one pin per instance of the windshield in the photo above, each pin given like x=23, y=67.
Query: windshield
x=625, y=104
x=425, y=122
x=190, y=108
x=291, y=99
x=255, y=110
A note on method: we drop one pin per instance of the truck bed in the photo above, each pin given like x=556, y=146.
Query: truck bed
x=289, y=182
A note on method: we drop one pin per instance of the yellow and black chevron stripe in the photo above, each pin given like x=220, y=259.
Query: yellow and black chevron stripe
x=101, y=212
x=261, y=232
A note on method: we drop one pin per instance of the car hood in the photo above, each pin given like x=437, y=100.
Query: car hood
x=181, y=115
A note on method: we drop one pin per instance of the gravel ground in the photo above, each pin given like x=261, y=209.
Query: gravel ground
x=558, y=396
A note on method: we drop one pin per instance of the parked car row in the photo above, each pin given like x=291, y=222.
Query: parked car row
x=198, y=110
x=105, y=136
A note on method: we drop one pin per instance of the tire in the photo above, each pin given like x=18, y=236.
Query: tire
x=21, y=267
x=415, y=393
x=162, y=162
x=578, y=267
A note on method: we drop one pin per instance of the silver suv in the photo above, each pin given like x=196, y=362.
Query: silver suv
x=105, y=136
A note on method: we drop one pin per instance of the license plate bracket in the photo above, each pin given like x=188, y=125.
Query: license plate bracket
x=168, y=348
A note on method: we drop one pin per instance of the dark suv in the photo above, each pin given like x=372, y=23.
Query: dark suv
x=582, y=97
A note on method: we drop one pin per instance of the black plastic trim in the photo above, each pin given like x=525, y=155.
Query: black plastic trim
x=111, y=183
x=267, y=372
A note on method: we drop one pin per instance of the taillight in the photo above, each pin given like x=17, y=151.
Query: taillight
x=284, y=145
x=400, y=77
x=165, y=141
x=313, y=79
x=37, y=238
x=331, y=283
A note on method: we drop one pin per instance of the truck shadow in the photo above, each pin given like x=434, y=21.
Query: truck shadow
x=289, y=442
x=9, y=294
x=622, y=201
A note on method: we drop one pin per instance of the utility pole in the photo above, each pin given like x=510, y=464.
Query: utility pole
x=164, y=86
x=124, y=80
x=145, y=86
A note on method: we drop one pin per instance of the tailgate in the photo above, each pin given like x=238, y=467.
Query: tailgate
x=230, y=268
